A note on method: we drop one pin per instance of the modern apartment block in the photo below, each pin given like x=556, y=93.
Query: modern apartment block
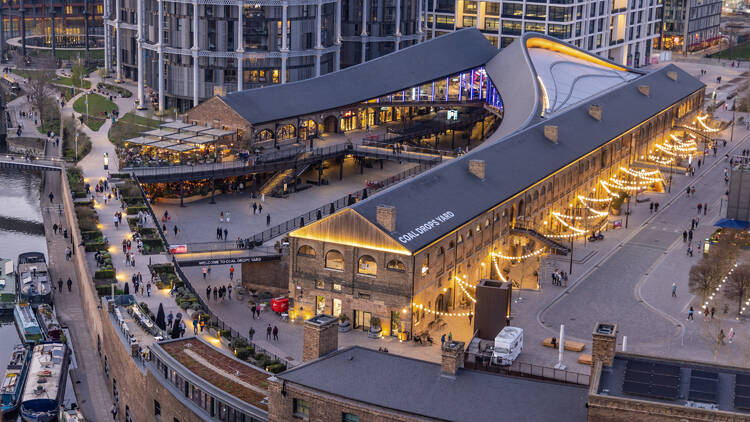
x=193, y=50
x=620, y=30
x=691, y=25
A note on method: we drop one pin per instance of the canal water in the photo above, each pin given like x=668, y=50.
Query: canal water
x=21, y=230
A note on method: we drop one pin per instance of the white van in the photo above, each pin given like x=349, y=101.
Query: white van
x=508, y=345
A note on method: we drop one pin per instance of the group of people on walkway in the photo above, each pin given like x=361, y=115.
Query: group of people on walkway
x=219, y=292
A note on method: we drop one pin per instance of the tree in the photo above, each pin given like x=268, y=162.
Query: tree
x=738, y=284
x=77, y=74
x=40, y=93
x=160, y=318
x=701, y=281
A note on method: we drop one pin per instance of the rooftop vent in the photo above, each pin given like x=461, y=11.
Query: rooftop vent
x=385, y=215
x=644, y=89
x=595, y=111
x=477, y=168
x=672, y=75
x=550, y=132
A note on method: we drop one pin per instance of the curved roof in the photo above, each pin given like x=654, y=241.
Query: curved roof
x=434, y=59
x=539, y=75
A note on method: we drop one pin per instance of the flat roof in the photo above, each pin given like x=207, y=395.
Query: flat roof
x=141, y=140
x=159, y=132
x=45, y=371
x=417, y=387
x=200, y=139
x=234, y=377
x=423, y=62
x=182, y=147
x=180, y=136
x=520, y=160
x=218, y=132
x=163, y=144
x=715, y=387
x=196, y=128
x=175, y=125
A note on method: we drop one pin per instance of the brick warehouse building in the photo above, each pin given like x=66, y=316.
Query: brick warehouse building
x=571, y=120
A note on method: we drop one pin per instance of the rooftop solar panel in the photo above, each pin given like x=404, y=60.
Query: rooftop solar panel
x=660, y=368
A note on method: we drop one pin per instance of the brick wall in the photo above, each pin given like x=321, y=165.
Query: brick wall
x=326, y=407
x=319, y=339
x=215, y=109
x=271, y=276
x=618, y=409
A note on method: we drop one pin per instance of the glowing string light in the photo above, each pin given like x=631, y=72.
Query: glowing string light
x=511, y=258
x=420, y=307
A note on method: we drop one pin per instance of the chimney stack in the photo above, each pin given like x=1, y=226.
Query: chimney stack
x=644, y=89
x=605, y=343
x=550, y=132
x=320, y=337
x=672, y=75
x=477, y=168
x=453, y=359
x=595, y=111
x=385, y=215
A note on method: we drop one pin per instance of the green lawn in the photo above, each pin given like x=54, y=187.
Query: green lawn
x=67, y=81
x=130, y=126
x=97, y=105
x=740, y=51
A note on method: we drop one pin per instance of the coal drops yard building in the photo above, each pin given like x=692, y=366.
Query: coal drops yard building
x=577, y=131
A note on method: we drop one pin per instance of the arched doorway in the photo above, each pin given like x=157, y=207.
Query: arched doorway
x=286, y=132
x=264, y=135
x=331, y=124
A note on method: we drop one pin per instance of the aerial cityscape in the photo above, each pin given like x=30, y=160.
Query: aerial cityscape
x=375, y=210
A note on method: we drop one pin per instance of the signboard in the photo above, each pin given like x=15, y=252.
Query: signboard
x=617, y=224
x=427, y=226
x=175, y=249
x=227, y=261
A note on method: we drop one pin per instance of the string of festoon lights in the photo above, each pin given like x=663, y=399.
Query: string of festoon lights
x=701, y=121
x=520, y=257
x=421, y=307
x=598, y=200
x=568, y=226
x=687, y=145
x=575, y=235
x=661, y=161
x=499, y=273
x=718, y=288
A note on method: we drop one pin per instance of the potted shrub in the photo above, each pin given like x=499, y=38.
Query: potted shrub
x=344, y=324
x=375, y=328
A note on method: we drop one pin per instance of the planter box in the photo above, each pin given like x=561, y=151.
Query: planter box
x=345, y=327
x=374, y=334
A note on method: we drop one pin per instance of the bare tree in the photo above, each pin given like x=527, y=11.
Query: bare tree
x=738, y=284
x=701, y=280
x=39, y=90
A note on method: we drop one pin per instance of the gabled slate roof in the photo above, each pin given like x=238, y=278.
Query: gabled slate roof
x=427, y=61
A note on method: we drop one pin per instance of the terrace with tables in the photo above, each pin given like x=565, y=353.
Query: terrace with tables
x=177, y=143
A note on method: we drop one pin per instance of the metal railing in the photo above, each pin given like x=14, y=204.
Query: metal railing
x=389, y=144
x=530, y=370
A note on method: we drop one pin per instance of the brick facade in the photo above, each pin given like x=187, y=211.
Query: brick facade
x=604, y=344
x=214, y=112
x=325, y=407
x=271, y=276
x=320, y=337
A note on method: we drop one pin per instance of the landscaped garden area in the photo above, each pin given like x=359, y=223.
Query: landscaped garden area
x=69, y=142
x=130, y=126
x=98, y=108
x=737, y=52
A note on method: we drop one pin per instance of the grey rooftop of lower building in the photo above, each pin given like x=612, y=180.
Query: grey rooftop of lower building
x=416, y=387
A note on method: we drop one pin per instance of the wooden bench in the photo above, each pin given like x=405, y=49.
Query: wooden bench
x=572, y=346
x=586, y=359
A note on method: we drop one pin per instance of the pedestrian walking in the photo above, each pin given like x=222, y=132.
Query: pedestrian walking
x=721, y=336
x=690, y=235
x=195, y=325
x=690, y=314
x=713, y=311
x=148, y=289
x=255, y=208
x=251, y=333
x=268, y=219
x=705, y=208
x=260, y=209
x=730, y=337
x=116, y=221
x=70, y=284
x=674, y=289
x=208, y=289
x=59, y=285
x=700, y=206
x=54, y=228
x=204, y=270
x=651, y=208
x=229, y=292
x=176, y=230
x=231, y=272
x=656, y=207
x=252, y=310
x=268, y=332
x=275, y=333
x=442, y=342
x=216, y=293
x=684, y=236
x=170, y=319
x=226, y=232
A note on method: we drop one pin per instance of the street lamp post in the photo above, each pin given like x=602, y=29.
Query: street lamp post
x=627, y=212
x=734, y=112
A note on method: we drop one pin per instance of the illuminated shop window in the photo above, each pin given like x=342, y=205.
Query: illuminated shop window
x=367, y=265
x=334, y=260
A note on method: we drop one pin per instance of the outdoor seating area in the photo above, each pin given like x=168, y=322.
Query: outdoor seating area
x=176, y=143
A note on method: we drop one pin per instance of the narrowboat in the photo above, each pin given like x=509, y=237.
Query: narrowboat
x=44, y=391
x=7, y=286
x=48, y=322
x=34, y=285
x=15, y=375
x=27, y=324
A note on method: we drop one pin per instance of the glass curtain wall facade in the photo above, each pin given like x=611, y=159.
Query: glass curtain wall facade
x=620, y=30
x=691, y=25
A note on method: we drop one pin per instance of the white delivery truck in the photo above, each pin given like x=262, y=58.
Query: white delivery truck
x=508, y=345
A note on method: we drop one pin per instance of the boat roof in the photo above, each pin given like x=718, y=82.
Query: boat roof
x=25, y=314
x=7, y=277
x=41, y=267
x=47, y=357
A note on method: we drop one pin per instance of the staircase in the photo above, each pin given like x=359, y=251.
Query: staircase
x=275, y=184
x=542, y=238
